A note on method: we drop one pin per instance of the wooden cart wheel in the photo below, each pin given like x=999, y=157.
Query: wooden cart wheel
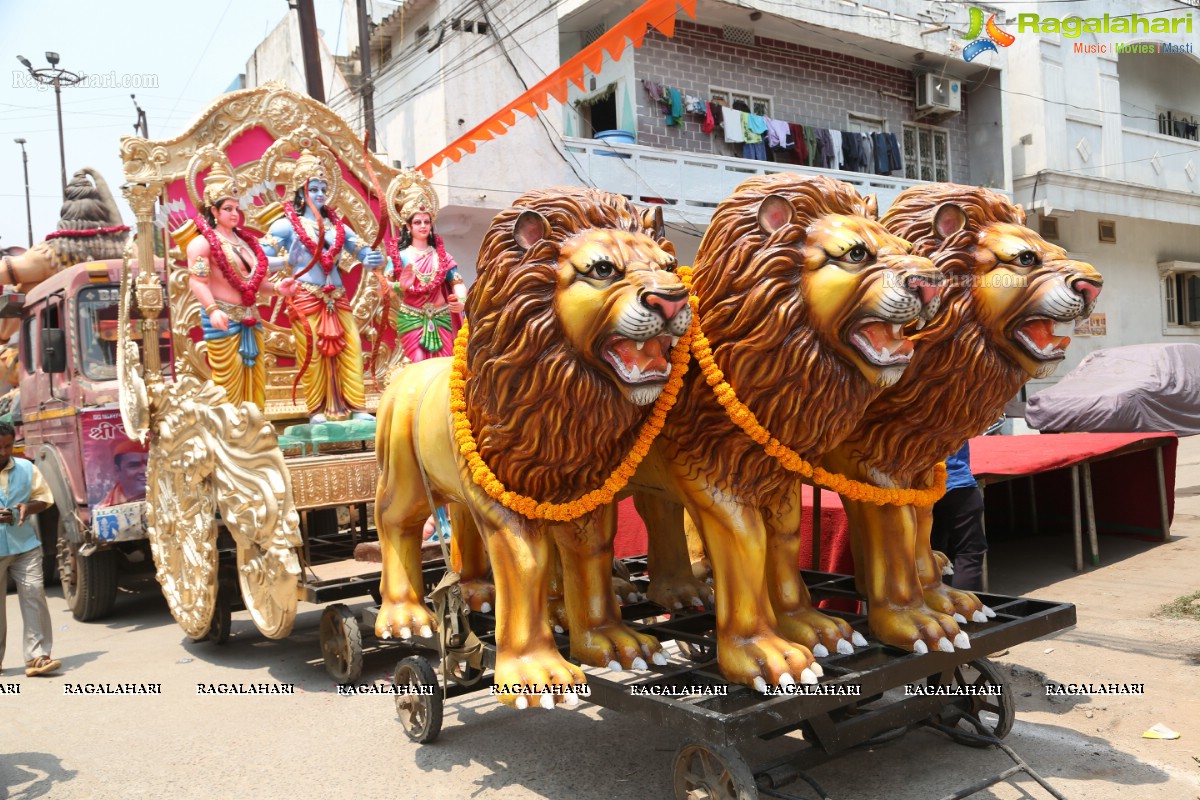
x=420, y=708
x=341, y=644
x=704, y=772
x=997, y=711
x=222, y=618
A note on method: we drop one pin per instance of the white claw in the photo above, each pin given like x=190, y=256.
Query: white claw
x=697, y=603
x=406, y=633
x=572, y=699
x=817, y=669
x=978, y=616
x=844, y=647
x=959, y=617
x=787, y=680
x=945, y=646
x=808, y=677
x=760, y=685
x=631, y=597
x=989, y=612
x=387, y=634
x=962, y=641
x=547, y=701
x=819, y=650
x=678, y=605
x=639, y=663
x=426, y=631
x=948, y=569
x=522, y=703
x=857, y=639
x=659, y=659
x=920, y=648
x=558, y=629
x=485, y=607
x=614, y=666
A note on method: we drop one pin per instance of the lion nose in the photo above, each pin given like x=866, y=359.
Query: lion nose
x=668, y=305
x=926, y=287
x=1089, y=289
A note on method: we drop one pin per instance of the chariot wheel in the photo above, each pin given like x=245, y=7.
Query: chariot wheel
x=267, y=579
x=704, y=772
x=996, y=711
x=341, y=644
x=222, y=618
x=418, y=699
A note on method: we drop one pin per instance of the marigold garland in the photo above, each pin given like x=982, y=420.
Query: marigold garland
x=482, y=474
x=789, y=459
x=327, y=257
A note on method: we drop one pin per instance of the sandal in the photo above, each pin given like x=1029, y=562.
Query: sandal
x=42, y=665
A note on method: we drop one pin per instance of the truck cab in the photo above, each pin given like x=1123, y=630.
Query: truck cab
x=70, y=425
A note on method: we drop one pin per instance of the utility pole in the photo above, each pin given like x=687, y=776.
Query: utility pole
x=368, y=83
x=311, y=49
x=140, y=127
x=28, y=205
x=58, y=78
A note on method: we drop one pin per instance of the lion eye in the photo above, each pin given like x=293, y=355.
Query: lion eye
x=856, y=255
x=1027, y=258
x=602, y=269
x=671, y=265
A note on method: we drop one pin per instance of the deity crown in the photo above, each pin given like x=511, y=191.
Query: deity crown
x=220, y=185
x=308, y=168
x=411, y=193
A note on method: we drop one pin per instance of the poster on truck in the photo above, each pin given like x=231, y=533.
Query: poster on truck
x=115, y=471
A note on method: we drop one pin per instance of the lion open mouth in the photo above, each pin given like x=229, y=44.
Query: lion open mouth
x=1046, y=339
x=639, y=361
x=882, y=342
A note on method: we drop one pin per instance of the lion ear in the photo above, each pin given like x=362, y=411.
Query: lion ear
x=774, y=212
x=948, y=220
x=530, y=228
x=652, y=220
x=1020, y=214
x=872, y=204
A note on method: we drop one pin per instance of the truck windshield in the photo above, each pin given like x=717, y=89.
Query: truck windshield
x=98, y=314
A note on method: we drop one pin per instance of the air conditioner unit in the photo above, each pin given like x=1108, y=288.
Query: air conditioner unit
x=938, y=93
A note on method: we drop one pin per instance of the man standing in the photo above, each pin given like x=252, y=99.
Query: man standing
x=958, y=523
x=23, y=493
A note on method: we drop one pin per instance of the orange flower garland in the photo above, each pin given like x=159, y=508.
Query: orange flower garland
x=482, y=474
x=789, y=459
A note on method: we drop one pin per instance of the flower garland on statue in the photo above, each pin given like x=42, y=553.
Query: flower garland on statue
x=789, y=459
x=83, y=233
x=422, y=289
x=561, y=512
x=248, y=287
x=328, y=257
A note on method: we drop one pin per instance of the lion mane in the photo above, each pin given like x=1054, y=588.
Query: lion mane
x=520, y=366
x=903, y=433
x=749, y=285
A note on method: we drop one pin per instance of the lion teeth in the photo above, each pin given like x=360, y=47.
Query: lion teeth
x=635, y=374
x=920, y=324
x=896, y=330
x=640, y=345
x=674, y=341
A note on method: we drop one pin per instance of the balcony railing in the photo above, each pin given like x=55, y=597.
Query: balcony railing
x=690, y=185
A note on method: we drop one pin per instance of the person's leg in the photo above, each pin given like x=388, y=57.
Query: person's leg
x=35, y=613
x=5, y=562
x=969, y=542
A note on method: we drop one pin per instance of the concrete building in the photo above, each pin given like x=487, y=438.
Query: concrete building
x=1106, y=156
x=889, y=67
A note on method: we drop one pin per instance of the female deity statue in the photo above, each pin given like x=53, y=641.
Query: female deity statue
x=328, y=345
x=227, y=269
x=423, y=275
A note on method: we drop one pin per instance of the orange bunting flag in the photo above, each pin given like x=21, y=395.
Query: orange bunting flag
x=656, y=14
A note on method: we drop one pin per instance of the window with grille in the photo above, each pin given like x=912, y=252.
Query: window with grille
x=926, y=153
x=757, y=104
x=1181, y=294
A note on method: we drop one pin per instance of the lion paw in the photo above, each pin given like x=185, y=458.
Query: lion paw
x=616, y=646
x=765, y=659
x=819, y=632
x=958, y=603
x=625, y=591
x=942, y=562
x=919, y=629
x=557, y=608
x=541, y=677
x=479, y=594
x=402, y=620
x=675, y=594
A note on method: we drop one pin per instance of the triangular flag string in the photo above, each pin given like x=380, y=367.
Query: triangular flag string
x=657, y=14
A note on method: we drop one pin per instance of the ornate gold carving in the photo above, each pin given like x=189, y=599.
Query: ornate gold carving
x=133, y=399
x=334, y=480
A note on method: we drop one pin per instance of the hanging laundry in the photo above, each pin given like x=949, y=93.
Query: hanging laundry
x=675, y=111
x=709, y=123
x=852, y=151
x=883, y=163
x=868, y=153
x=810, y=139
x=835, y=137
x=799, y=144
x=731, y=120
x=753, y=127
x=779, y=136
x=693, y=105
x=894, y=152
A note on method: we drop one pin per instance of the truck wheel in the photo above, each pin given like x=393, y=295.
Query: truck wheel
x=89, y=582
x=48, y=533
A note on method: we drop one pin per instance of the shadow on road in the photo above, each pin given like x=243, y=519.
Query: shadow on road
x=24, y=776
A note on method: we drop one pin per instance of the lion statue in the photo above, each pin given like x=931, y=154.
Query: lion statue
x=1007, y=290
x=802, y=295
x=572, y=319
